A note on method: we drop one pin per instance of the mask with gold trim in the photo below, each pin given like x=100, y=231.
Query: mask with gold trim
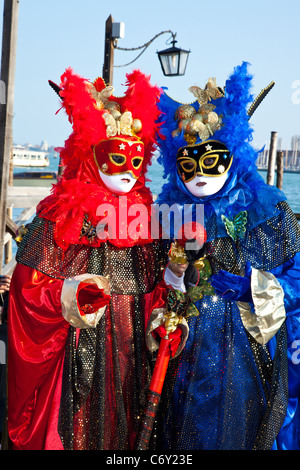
x=210, y=158
x=118, y=155
x=196, y=162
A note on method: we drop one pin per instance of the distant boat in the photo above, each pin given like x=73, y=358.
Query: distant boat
x=30, y=158
x=30, y=175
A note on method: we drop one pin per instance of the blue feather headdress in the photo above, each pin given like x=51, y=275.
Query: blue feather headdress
x=244, y=188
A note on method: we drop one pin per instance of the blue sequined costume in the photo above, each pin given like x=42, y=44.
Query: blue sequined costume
x=225, y=390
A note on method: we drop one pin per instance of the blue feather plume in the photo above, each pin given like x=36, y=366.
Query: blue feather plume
x=244, y=188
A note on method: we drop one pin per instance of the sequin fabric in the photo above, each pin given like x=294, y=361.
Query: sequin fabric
x=266, y=246
x=106, y=370
x=132, y=270
x=225, y=391
x=105, y=380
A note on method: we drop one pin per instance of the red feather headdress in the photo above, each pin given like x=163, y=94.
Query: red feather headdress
x=91, y=107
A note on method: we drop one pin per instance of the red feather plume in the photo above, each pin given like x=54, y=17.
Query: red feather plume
x=89, y=128
x=141, y=100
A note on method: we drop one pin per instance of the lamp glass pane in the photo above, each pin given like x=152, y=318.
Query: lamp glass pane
x=170, y=62
x=183, y=62
x=173, y=63
x=165, y=64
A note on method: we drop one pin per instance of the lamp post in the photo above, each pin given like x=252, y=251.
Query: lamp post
x=113, y=32
x=107, y=74
x=173, y=60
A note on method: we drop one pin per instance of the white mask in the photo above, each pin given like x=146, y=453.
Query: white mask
x=203, y=186
x=118, y=184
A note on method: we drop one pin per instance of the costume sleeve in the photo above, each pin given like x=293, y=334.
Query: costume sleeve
x=289, y=277
x=263, y=317
x=40, y=312
x=84, y=299
x=37, y=335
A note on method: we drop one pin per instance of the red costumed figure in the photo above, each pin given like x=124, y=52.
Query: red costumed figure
x=77, y=369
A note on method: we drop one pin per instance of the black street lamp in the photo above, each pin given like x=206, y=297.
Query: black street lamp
x=173, y=60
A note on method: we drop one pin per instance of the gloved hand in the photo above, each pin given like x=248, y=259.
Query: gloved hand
x=233, y=287
x=175, y=337
x=90, y=298
x=191, y=276
x=193, y=235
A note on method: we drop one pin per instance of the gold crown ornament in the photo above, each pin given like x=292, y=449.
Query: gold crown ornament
x=204, y=122
x=117, y=123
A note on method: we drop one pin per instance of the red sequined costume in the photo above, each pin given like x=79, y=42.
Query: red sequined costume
x=77, y=367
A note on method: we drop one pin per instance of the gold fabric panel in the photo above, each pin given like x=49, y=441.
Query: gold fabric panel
x=268, y=300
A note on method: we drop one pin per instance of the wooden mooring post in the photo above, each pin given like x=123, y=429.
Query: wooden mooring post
x=278, y=158
x=8, y=65
x=279, y=169
x=272, y=158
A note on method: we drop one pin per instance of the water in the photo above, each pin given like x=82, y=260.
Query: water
x=290, y=184
x=291, y=188
x=291, y=181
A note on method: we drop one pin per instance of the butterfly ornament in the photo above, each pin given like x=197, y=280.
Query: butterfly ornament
x=211, y=91
x=236, y=227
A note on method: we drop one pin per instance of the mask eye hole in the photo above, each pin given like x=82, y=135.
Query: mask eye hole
x=188, y=165
x=209, y=162
x=117, y=159
x=136, y=162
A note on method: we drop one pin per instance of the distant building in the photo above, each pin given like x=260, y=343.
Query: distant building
x=44, y=145
x=295, y=142
x=291, y=157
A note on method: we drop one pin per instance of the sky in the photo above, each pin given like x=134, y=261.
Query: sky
x=56, y=34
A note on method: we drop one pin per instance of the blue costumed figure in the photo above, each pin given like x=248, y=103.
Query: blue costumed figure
x=235, y=384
